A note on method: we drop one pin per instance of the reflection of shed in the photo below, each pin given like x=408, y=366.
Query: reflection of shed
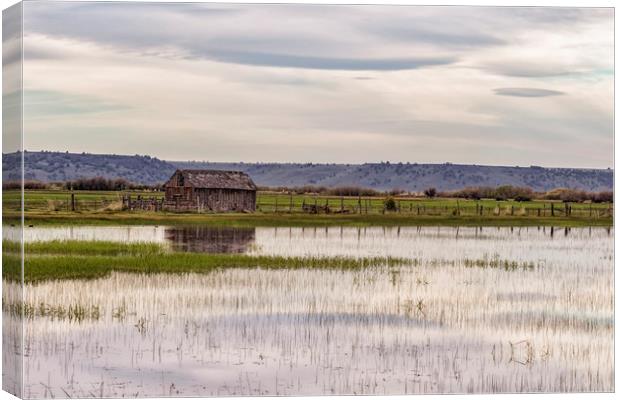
x=203, y=239
x=209, y=190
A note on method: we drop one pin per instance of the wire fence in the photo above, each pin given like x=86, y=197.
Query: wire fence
x=374, y=205
x=317, y=204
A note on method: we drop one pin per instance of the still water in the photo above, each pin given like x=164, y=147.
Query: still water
x=409, y=242
x=439, y=326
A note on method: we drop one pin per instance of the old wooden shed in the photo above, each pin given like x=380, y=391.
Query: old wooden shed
x=210, y=190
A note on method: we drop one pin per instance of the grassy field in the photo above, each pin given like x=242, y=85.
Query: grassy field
x=102, y=207
x=39, y=200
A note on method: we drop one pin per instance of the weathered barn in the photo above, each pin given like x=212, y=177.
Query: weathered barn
x=210, y=190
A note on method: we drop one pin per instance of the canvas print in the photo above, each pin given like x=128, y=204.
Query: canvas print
x=205, y=199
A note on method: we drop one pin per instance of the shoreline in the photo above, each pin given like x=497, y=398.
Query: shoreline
x=293, y=219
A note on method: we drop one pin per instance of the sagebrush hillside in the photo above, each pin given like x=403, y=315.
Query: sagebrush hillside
x=416, y=177
x=55, y=166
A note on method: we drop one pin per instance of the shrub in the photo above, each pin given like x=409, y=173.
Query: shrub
x=603, y=197
x=500, y=193
x=430, y=192
x=522, y=197
x=334, y=191
x=10, y=185
x=100, y=183
x=33, y=185
x=351, y=191
x=396, y=192
x=566, y=195
x=390, y=204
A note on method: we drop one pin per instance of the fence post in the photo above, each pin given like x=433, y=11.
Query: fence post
x=359, y=202
x=72, y=201
x=341, y=204
x=552, y=210
x=277, y=203
x=290, y=203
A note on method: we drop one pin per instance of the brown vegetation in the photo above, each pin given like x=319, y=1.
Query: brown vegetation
x=324, y=190
x=527, y=194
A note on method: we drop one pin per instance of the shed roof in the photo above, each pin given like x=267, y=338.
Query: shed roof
x=215, y=179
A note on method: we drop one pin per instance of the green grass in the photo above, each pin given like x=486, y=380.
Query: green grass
x=85, y=248
x=57, y=260
x=52, y=267
x=38, y=200
x=42, y=208
x=296, y=220
x=268, y=200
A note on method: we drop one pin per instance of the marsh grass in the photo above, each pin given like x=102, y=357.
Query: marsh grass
x=95, y=259
x=72, y=312
x=84, y=248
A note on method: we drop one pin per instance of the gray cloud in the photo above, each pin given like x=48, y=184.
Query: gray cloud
x=129, y=27
x=87, y=60
x=327, y=63
x=247, y=35
x=408, y=32
x=558, y=16
x=527, y=92
x=532, y=69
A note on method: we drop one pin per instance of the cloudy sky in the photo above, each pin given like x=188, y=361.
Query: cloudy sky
x=303, y=83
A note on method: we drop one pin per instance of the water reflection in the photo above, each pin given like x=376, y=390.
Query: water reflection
x=205, y=239
x=327, y=241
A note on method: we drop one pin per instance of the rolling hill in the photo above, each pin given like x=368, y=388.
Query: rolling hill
x=57, y=166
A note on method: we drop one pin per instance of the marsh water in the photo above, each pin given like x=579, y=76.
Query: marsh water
x=439, y=325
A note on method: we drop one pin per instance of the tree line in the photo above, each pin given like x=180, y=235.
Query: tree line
x=96, y=183
x=504, y=192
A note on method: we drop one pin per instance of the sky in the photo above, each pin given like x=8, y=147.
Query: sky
x=318, y=83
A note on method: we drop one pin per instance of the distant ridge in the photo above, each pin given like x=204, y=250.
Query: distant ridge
x=58, y=166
